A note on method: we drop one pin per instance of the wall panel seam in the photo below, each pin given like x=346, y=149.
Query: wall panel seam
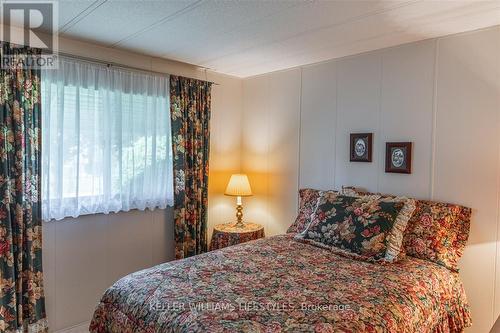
x=242, y=112
x=152, y=234
x=380, y=165
x=335, y=128
x=300, y=138
x=268, y=147
x=496, y=277
x=55, y=274
x=434, y=121
x=107, y=272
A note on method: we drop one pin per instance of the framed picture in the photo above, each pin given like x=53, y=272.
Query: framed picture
x=398, y=157
x=361, y=147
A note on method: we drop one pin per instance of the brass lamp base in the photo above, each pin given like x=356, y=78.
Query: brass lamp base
x=239, y=216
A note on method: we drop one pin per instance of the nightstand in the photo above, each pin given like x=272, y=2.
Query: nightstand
x=227, y=234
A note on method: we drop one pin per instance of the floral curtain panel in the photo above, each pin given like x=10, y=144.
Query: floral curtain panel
x=190, y=112
x=22, y=305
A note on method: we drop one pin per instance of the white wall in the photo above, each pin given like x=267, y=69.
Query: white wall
x=84, y=256
x=225, y=141
x=270, y=143
x=441, y=94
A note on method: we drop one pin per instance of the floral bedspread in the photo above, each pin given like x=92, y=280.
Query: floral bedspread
x=278, y=284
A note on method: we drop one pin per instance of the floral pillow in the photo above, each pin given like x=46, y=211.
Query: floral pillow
x=395, y=250
x=438, y=232
x=308, y=200
x=355, y=226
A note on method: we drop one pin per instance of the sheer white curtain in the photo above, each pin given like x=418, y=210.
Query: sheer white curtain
x=106, y=140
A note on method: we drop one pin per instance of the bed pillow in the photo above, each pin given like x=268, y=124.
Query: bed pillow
x=354, y=191
x=308, y=200
x=395, y=250
x=355, y=226
x=438, y=232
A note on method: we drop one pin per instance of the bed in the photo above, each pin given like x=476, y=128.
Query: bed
x=279, y=284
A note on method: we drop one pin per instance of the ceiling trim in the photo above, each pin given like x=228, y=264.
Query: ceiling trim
x=172, y=16
x=84, y=13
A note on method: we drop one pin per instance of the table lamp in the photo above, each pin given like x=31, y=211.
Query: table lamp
x=239, y=187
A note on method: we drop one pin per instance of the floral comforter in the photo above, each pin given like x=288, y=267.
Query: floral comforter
x=278, y=284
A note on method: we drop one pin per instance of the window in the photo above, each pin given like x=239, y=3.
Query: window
x=106, y=142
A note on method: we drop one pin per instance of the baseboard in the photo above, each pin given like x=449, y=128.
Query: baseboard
x=80, y=328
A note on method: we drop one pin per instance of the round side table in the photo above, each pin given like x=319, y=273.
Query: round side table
x=227, y=234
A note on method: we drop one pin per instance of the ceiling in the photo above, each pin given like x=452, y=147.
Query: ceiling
x=250, y=37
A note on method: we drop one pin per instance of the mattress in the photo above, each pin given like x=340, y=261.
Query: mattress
x=278, y=284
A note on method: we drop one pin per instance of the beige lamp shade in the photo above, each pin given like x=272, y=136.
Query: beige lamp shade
x=238, y=186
